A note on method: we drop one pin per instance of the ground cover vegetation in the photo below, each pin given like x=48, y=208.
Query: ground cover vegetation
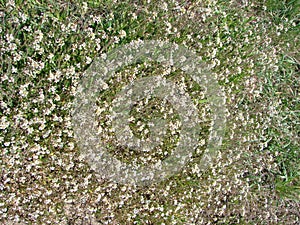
x=252, y=47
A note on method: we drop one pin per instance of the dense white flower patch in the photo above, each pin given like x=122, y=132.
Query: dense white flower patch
x=45, y=50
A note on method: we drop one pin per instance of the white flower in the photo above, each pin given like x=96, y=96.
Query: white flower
x=88, y=60
x=23, y=17
x=23, y=90
x=67, y=57
x=134, y=16
x=9, y=38
x=122, y=33
x=84, y=7
x=17, y=57
x=50, y=56
x=14, y=70
x=57, y=98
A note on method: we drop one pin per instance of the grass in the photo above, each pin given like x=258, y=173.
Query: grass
x=252, y=47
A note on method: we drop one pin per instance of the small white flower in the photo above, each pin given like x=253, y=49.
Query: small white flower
x=134, y=16
x=84, y=7
x=103, y=56
x=88, y=60
x=67, y=57
x=23, y=90
x=14, y=70
x=57, y=98
x=239, y=70
x=122, y=34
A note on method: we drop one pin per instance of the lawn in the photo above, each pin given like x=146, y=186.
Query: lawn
x=243, y=164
